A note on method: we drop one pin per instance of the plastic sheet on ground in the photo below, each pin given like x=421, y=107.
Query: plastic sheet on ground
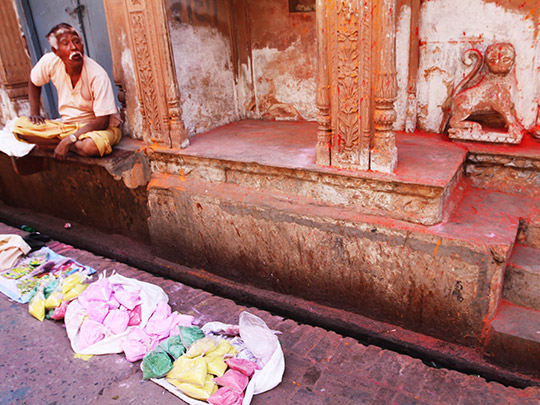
x=19, y=282
x=261, y=341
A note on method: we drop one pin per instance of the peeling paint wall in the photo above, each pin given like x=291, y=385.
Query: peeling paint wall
x=403, y=23
x=7, y=112
x=284, y=47
x=205, y=77
x=202, y=50
x=11, y=109
x=450, y=27
x=246, y=59
x=133, y=122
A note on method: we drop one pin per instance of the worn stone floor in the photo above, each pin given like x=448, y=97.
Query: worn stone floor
x=322, y=367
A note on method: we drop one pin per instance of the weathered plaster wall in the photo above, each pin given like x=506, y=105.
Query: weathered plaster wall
x=246, y=59
x=205, y=77
x=283, y=245
x=403, y=22
x=284, y=48
x=202, y=47
x=450, y=27
x=97, y=199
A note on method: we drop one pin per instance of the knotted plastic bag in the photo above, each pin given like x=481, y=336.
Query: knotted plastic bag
x=36, y=307
x=226, y=396
x=234, y=380
x=190, y=334
x=156, y=363
x=191, y=371
x=174, y=346
x=201, y=393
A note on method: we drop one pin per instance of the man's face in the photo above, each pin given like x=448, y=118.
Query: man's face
x=70, y=47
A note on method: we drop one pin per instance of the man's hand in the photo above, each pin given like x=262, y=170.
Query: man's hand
x=37, y=119
x=62, y=149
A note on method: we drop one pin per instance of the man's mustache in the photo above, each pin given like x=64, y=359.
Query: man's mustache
x=73, y=54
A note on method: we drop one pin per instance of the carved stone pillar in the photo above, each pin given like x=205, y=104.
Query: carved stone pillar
x=145, y=25
x=322, y=149
x=357, y=62
x=14, y=61
x=384, y=151
x=346, y=62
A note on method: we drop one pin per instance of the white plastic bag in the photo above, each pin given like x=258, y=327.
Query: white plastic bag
x=264, y=344
x=75, y=316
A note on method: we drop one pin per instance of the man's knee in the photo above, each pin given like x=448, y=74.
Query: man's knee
x=86, y=147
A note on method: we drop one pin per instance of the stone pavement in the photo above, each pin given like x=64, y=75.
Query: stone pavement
x=321, y=367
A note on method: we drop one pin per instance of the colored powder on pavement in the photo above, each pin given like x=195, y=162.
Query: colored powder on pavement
x=84, y=357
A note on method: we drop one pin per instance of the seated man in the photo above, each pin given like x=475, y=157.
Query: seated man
x=90, y=120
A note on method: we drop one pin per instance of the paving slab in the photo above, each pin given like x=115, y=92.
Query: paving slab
x=322, y=367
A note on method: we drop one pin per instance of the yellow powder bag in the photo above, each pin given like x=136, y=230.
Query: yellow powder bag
x=223, y=347
x=54, y=300
x=72, y=281
x=216, y=365
x=201, y=347
x=197, y=392
x=75, y=291
x=191, y=371
x=37, y=307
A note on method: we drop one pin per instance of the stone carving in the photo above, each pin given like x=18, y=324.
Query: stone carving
x=322, y=149
x=347, y=124
x=357, y=84
x=145, y=24
x=384, y=151
x=482, y=94
x=146, y=74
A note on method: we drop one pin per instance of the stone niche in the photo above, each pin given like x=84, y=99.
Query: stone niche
x=245, y=59
x=447, y=29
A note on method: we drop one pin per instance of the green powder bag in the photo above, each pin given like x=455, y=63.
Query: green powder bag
x=190, y=335
x=174, y=346
x=156, y=364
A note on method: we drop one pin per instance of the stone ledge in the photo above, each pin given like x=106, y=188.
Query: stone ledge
x=127, y=162
x=106, y=193
x=281, y=157
x=508, y=168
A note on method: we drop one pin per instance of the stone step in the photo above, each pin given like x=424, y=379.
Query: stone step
x=280, y=157
x=443, y=280
x=507, y=168
x=522, y=278
x=514, y=339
